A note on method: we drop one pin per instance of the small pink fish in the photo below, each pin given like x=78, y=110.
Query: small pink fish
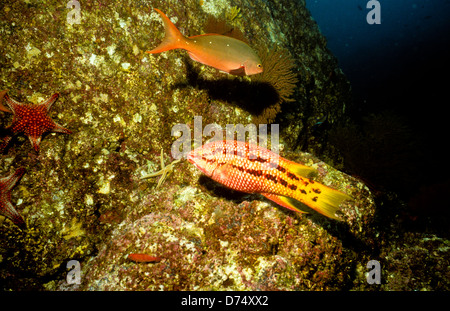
x=224, y=53
x=143, y=258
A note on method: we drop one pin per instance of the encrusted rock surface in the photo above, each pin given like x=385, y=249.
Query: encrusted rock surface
x=82, y=196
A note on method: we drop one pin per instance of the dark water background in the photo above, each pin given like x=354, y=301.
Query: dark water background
x=401, y=67
x=410, y=43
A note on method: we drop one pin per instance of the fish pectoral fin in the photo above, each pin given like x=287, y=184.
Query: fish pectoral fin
x=238, y=72
x=193, y=57
x=221, y=173
x=287, y=202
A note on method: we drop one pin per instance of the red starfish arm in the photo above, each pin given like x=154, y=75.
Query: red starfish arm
x=11, y=180
x=49, y=102
x=35, y=141
x=59, y=129
x=11, y=103
x=6, y=139
x=6, y=208
x=11, y=213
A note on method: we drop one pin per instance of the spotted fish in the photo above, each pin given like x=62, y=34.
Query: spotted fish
x=249, y=168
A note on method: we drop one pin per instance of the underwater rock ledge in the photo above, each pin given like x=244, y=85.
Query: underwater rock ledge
x=82, y=197
x=209, y=242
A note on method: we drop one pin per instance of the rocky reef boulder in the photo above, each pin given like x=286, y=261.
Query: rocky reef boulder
x=83, y=197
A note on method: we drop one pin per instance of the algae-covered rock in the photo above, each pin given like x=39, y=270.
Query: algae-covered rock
x=82, y=196
x=210, y=238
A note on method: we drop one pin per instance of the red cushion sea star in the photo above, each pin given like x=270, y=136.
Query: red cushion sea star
x=33, y=120
x=6, y=208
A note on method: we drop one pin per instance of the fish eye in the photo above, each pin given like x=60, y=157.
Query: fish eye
x=259, y=66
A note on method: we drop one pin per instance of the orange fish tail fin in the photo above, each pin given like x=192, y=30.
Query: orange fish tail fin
x=323, y=199
x=173, y=39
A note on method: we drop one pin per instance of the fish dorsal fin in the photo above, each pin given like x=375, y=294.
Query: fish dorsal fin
x=204, y=34
x=287, y=202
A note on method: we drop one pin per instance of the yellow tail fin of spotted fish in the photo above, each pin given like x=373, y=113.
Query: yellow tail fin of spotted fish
x=326, y=203
x=309, y=194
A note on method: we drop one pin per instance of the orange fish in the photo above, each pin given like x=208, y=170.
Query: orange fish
x=224, y=53
x=143, y=258
x=249, y=168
